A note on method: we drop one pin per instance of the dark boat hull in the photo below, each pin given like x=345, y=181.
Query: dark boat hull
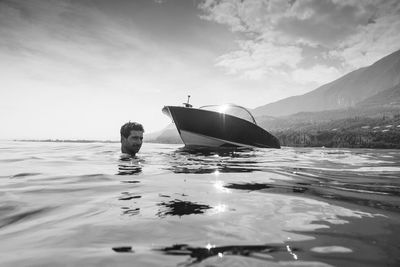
x=198, y=127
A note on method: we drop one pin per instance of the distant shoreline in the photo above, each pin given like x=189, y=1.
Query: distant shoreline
x=64, y=141
x=294, y=139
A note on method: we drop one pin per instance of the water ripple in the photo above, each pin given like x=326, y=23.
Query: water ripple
x=22, y=216
x=170, y=206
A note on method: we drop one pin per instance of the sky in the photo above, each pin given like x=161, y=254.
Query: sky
x=79, y=69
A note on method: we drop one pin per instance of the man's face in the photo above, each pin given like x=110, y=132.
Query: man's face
x=133, y=143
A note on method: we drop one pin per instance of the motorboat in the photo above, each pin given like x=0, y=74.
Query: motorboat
x=219, y=126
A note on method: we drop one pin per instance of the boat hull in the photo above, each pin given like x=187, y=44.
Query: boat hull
x=204, y=128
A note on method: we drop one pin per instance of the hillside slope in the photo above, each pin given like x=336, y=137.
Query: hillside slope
x=344, y=92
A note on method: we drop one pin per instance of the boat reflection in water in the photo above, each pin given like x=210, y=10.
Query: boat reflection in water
x=208, y=160
x=219, y=126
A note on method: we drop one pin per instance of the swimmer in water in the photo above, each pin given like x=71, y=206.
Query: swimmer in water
x=131, y=138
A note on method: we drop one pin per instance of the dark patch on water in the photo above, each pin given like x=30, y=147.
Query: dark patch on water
x=128, y=196
x=128, y=170
x=274, y=188
x=130, y=211
x=123, y=249
x=199, y=254
x=194, y=170
x=25, y=174
x=130, y=165
x=130, y=182
x=180, y=208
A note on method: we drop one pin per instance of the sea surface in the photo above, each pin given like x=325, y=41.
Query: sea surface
x=82, y=204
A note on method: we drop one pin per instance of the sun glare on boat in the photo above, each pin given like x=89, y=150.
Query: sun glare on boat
x=223, y=108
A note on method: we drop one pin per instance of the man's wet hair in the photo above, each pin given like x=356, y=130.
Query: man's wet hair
x=129, y=126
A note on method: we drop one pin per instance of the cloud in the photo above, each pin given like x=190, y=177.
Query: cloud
x=322, y=22
x=256, y=59
x=374, y=40
x=276, y=35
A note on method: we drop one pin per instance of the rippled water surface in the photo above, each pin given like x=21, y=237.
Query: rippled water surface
x=71, y=204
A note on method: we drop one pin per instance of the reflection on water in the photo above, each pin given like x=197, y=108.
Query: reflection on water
x=122, y=249
x=128, y=169
x=130, y=211
x=259, y=252
x=129, y=165
x=170, y=206
x=128, y=196
x=273, y=188
x=198, y=161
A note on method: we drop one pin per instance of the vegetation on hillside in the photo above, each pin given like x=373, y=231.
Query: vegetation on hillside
x=357, y=132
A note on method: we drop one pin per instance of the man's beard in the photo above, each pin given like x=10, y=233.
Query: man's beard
x=134, y=149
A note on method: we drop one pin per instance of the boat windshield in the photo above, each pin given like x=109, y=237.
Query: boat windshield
x=233, y=110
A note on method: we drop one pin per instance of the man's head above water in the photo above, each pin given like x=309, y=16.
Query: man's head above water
x=131, y=137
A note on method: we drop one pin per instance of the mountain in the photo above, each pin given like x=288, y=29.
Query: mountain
x=168, y=135
x=371, y=123
x=388, y=98
x=385, y=103
x=344, y=92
